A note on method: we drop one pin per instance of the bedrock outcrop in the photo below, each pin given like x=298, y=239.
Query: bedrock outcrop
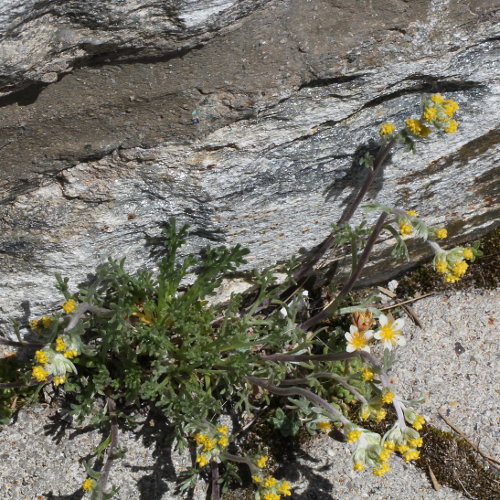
x=244, y=119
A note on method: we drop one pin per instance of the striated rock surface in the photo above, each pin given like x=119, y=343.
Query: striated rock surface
x=241, y=118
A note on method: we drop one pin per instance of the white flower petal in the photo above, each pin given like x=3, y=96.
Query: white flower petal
x=353, y=329
x=377, y=335
x=366, y=348
x=350, y=348
x=401, y=341
x=398, y=324
x=368, y=334
x=388, y=345
x=348, y=336
x=383, y=320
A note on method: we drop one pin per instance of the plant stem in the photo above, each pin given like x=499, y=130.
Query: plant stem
x=309, y=357
x=337, y=378
x=214, y=471
x=299, y=391
x=101, y=486
x=314, y=320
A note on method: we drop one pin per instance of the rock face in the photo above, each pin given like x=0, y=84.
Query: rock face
x=241, y=118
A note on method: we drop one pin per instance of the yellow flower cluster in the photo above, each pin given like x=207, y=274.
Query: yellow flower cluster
x=405, y=224
x=270, y=488
x=386, y=129
x=211, y=444
x=416, y=127
x=388, y=398
x=441, y=233
x=452, y=264
x=439, y=112
x=88, y=484
x=367, y=375
x=419, y=422
x=39, y=324
x=69, y=306
x=353, y=436
x=56, y=361
x=324, y=426
x=367, y=412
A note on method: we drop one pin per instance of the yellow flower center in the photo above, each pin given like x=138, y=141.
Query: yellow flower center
x=388, y=333
x=353, y=436
x=358, y=341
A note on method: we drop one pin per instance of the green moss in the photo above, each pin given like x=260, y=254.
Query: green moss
x=455, y=464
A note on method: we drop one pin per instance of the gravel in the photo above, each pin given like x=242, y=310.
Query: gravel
x=450, y=361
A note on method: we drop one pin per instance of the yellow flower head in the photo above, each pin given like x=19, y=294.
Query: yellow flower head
x=437, y=98
x=419, y=422
x=262, y=461
x=201, y=460
x=365, y=414
x=271, y=496
x=324, y=426
x=33, y=324
x=69, y=306
x=412, y=213
x=384, y=455
x=386, y=129
x=460, y=268
x=405, y=229
x=59, y=379
x=452, y=127
x=441, y=267
x=381, y=469
x=430, y=114
x=451, y=278
x=71, y=354
x=389, y=445
x=388, y=397
x=222, y=429
x=353, y=436
x=209, y=444
x=403, y=448
x=416, y=127
x=200, y=438
x=60, y=344
x=88, y=484
x=441, y=233
x=41, y=357
x=40, y=373
x=416, y=442
x=46, y=321
x=223, y=441
x=411, y=455
x=450, y=107
x=358, y=466
x=269, y=482
x=468, y=254
x=256, y=479
x=285, y=488
x=380, y=415
x=367, y=375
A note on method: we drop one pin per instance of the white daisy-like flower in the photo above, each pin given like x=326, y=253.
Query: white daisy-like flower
x=390, y=332
x=358, y=341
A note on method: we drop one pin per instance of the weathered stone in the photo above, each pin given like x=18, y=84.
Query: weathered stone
x=251, y=137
